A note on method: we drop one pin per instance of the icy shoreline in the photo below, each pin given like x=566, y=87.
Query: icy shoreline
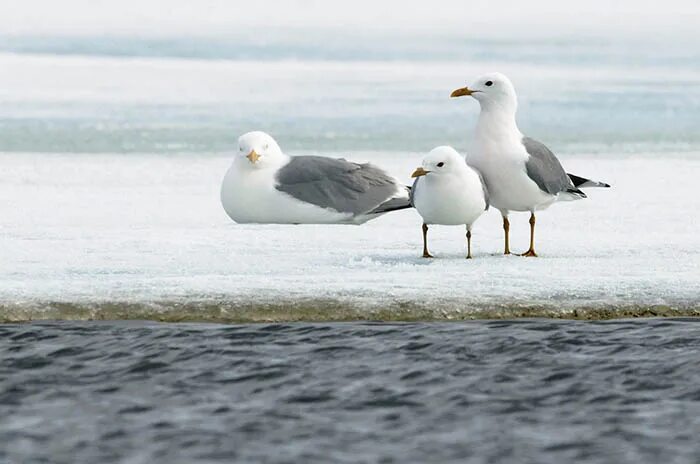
x=226, y=312
x=106, y=231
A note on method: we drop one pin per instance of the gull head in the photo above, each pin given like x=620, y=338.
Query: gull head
x=258, y=150
x=441, y=161
x=492, y=89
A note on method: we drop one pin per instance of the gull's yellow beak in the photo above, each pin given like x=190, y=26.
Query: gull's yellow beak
x=252, y=156
x=464, y=91
x=419, y=172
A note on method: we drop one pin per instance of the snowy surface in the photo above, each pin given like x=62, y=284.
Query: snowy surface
x=148, y=228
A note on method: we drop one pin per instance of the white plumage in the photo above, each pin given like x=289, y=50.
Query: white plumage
x=264, y=185
x=448, y=192
x=522, y=174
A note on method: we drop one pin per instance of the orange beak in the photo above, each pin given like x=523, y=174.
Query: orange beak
x=419, y=172
x=464, y=91
x=253, y=157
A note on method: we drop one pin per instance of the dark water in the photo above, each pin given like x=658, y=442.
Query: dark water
x=526, y=391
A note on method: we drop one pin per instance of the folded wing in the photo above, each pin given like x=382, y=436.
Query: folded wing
x=546, y=171
x=341, y=185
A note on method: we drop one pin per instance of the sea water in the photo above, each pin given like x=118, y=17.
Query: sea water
x=526, y=391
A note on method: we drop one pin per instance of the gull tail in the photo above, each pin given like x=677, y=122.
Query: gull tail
x=582, y=182
x=571, y=194
x=394, y=204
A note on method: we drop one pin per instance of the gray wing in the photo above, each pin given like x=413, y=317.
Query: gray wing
x=336, y=183
x=545, y=170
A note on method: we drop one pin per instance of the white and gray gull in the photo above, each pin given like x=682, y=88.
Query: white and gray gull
x=264, y=185
x=448, y=192
x=521, y=173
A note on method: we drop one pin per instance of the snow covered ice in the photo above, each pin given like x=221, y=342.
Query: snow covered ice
x=121, y=228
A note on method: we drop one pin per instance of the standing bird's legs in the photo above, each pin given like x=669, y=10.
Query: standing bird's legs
x=506, y=230
x=531, y=251
x=425, y=242
x=469, y=243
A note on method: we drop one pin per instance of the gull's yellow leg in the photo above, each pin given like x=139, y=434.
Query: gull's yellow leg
x=531, y=251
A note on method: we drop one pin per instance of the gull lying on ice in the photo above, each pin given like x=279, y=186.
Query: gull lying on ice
x=447, y=191
x=263, y=185
x=522, y=174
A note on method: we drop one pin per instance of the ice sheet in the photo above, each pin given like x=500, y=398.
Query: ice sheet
x=122, y=228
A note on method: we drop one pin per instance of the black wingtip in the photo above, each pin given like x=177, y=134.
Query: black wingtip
x=387, y=209
x=394, y=204
x=579, y=181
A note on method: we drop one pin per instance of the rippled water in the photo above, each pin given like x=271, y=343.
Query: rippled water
x=501, y=391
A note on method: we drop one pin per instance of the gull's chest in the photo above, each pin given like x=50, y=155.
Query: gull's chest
x=494, y=155
x=448, y=203
x=251, y=197
x=503, y=167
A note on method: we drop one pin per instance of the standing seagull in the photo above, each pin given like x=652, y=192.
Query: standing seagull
x=447, y=191
x=263, y=185
x=521, y=173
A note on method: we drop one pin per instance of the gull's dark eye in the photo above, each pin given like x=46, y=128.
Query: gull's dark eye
x=489, y=83
x=440, y=164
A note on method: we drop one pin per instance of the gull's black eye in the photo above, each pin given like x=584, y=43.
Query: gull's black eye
x=440, y=164
x=489, y=83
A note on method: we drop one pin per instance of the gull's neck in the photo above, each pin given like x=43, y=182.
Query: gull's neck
x=497, y=122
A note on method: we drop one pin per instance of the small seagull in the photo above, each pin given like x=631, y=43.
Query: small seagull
x=264, y=185
x=521, y=173
x=448, y=192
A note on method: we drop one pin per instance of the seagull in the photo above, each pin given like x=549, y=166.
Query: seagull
x=264, y=185
x=521, y=173
x=449, y=192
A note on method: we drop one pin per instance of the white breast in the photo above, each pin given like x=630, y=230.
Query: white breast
x=450, y=199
